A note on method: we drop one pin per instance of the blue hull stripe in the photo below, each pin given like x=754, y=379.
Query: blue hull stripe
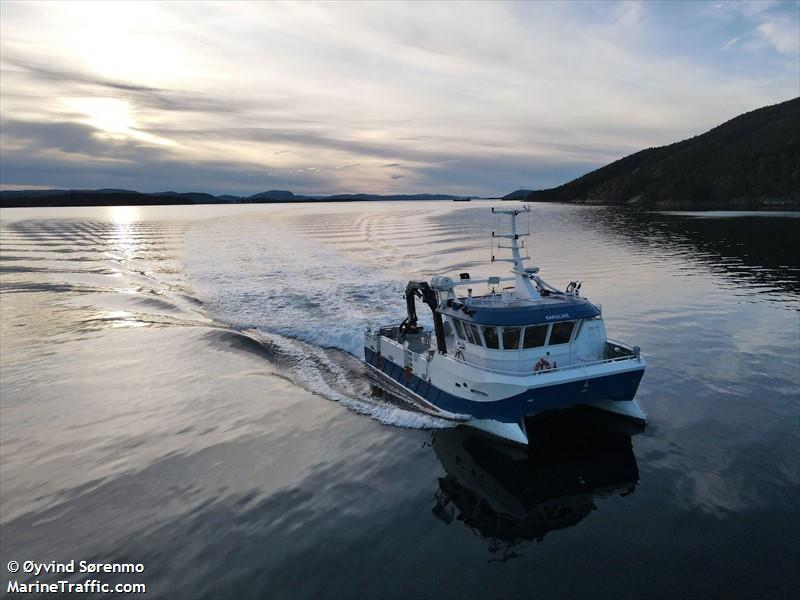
x=620, y=386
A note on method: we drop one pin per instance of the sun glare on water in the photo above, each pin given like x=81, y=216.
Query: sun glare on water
x=124, y=239
x=123, y=215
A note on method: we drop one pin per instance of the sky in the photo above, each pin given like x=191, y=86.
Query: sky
x=321, y=98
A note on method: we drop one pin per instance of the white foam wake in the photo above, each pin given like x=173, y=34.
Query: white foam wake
x=303, y=299
x=341, y=378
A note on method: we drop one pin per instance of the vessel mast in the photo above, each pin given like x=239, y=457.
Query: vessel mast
x=524, y=288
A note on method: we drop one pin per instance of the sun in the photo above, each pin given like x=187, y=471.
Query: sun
x=110, y=115
x=112, y=118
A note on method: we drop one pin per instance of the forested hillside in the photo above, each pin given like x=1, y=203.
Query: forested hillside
x=751, y=161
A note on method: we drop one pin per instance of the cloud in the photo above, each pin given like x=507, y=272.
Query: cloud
x=324, y=98
x=730, y=43
x=76, y=81
x=783, y=35
x=36, y=138
x=143, y=169
x=775, y=24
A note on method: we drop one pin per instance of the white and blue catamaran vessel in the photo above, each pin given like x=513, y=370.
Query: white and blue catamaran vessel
x=494, y=359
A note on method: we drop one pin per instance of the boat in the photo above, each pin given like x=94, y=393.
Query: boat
x=495, y=358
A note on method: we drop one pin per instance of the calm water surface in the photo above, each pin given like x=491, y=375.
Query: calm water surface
x=181, y=387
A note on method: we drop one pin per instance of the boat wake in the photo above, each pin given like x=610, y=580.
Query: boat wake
x=308, y=307
x=341, y=377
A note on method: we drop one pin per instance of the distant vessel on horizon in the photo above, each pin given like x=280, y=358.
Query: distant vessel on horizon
x=516, y=351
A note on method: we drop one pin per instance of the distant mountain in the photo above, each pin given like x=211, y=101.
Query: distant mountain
x=195, y=197
x=517, y=195
x=113, y=197
x=104, y=197
x=31, y=193
x=274, y=195
x=751, y=161
x=114, y=191
x=361, y=197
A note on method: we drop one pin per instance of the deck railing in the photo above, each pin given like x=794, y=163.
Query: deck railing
x=619, y=352
x=614, y=352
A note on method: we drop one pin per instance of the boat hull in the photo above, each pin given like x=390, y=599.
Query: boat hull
x=609, y=390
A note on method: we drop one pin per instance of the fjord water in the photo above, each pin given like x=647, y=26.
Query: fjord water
x=181, y=387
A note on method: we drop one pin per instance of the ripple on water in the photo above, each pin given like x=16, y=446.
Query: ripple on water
x=184, y=389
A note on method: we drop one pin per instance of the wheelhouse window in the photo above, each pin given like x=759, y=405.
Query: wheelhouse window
x=459, y=329
x=511, y=338
x=491, y=337
x=562, y=332
x=476, y=333
x=535, y=336
x=468, y=334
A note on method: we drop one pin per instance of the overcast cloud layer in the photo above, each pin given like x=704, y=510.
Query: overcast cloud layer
x=468, y=98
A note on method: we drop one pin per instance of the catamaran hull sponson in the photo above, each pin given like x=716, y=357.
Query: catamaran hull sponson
x=603, y=390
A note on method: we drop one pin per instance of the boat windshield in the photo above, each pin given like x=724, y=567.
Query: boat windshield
x=495, y=337
x=562, y=332
x=490, y=335
x=535, y=336
x=476, y=333
x=511, y=338
x=459, y=329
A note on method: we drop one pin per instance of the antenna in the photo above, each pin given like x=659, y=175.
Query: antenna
x=523, y=289
x=528, y=223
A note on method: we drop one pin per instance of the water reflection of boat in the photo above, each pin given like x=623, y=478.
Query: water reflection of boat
x=510, y=494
